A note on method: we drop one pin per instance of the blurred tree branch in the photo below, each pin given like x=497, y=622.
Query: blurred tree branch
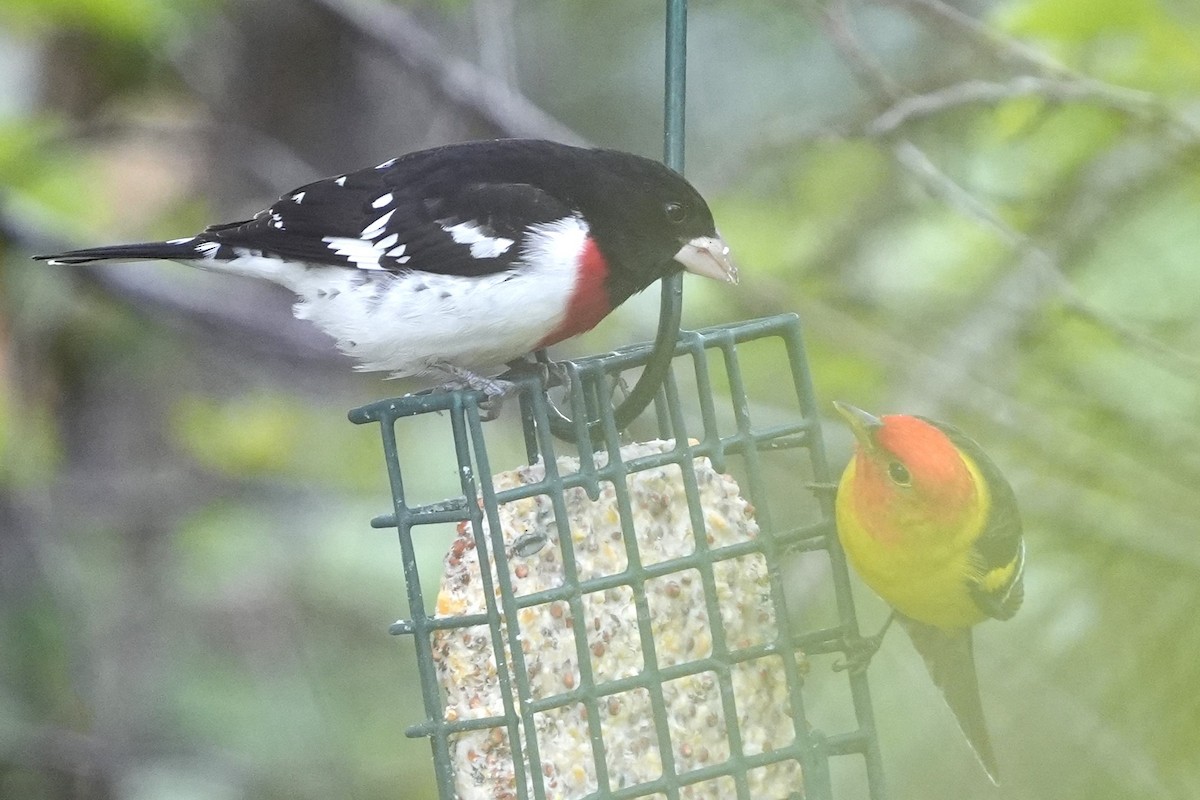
x=397, y=32
x=497, y=39
x=962, y=25
x=1038, y=272
x=975, y=92
x=1060, y=79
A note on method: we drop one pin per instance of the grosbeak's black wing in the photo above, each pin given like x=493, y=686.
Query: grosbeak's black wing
x=388, y=219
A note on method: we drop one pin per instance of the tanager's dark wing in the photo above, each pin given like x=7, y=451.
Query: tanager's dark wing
x=998, y=555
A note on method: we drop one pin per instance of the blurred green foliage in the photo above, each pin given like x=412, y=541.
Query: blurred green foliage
x=142, y=21
x=193, y=604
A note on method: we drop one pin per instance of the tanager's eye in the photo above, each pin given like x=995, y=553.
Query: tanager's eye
x=899, y=474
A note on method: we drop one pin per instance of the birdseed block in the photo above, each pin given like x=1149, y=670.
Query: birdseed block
x=682, y=636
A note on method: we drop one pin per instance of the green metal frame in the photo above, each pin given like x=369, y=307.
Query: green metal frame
x=753, y=444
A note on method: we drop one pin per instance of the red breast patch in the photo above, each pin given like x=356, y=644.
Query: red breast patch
x=589, y=301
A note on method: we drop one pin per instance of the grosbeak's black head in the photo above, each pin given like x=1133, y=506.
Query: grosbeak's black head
x=646, y=220
x=649, y=222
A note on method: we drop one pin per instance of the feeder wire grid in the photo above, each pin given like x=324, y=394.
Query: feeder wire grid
x=613, y=619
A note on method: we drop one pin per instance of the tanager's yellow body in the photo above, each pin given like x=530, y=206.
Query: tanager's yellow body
x=931, y=525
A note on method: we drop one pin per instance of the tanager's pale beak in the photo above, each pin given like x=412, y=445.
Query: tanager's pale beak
x=861, y=423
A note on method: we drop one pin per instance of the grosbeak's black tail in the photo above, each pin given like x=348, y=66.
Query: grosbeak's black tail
x=183, y=249
x=950, y=658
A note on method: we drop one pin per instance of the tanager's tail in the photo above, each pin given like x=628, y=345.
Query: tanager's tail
x=950, y=658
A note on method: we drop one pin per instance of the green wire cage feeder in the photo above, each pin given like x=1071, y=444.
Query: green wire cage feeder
x=619, y=618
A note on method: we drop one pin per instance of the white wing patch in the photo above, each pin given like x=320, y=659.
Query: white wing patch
x=482, y=245
x=362, y=253
x=298, y=197
x=365, y=253
x=373, y=230
x=405, y=323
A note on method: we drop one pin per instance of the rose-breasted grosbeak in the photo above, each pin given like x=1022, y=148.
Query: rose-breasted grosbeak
x=462, y=258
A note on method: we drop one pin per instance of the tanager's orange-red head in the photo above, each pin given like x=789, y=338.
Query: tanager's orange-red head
x=907, y=478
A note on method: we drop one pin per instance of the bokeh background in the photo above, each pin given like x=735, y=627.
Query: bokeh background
x=988, y=212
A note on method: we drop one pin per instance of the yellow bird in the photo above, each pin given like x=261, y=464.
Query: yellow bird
x=931, y=524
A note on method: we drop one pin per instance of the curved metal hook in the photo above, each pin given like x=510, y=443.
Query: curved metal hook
x=671, y=307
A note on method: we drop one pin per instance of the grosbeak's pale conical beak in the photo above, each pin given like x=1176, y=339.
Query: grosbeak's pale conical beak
x=708, y=256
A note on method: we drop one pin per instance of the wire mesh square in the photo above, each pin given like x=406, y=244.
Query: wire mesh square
x=620, y=616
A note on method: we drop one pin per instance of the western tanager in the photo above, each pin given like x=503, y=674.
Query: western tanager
x=931, y=525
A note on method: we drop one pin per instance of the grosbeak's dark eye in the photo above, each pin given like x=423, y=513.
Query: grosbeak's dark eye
x=899, y=474
x=675, y=212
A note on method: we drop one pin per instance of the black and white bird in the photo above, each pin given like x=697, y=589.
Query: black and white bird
x=460, y=259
